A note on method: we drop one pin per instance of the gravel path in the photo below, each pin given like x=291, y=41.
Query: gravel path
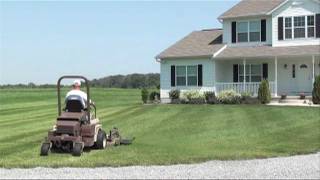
x=301, y=167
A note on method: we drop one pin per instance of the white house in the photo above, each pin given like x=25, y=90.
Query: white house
x=278, y=40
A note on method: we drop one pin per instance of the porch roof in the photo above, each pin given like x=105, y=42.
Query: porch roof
x=268, y=51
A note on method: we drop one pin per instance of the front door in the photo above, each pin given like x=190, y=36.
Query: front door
x=304, y=77
x=294, y=77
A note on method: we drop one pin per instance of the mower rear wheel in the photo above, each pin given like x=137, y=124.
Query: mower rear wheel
x=45, y=147
x=101, y=140
x=77, y=149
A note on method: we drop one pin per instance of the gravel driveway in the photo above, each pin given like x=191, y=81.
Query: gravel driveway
x=302, y=167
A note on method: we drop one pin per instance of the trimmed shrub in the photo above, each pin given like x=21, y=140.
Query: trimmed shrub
x=192, y=94
x=194, y=97
x=229, y=97
x=246, y=98
x=174, y=94
x=245, y=95
x=144, y=95
x=316, y=91
x=210, y=97
x=264, y=94
x=154, y=95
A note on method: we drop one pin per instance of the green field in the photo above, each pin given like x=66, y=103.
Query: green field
x=165, y=134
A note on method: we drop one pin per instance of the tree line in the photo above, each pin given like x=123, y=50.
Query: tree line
x=150, y=80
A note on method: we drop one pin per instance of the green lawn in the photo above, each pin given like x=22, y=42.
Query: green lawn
x=165, y=134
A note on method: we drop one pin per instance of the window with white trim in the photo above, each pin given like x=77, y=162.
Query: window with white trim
x=254, y=31
x=187, y=75
x=249, y=31
x=181, y=75
x=310, y=26
x=253, y=73
x=242, y=30
x=192, y=75
x=288, y=27
x=299, y=27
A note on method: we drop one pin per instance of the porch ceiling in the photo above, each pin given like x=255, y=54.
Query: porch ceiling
x=268, y=51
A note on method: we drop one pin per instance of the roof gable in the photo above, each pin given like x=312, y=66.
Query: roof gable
x=246, y=8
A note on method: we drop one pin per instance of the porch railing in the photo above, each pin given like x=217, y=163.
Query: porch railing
x=240, y=87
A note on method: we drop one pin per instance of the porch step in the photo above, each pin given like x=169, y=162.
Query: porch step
x=295, y=101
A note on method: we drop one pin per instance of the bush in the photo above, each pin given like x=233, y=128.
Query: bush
x=174, y=94
x=316, y=91
x=194, y=97
x=154, y=95
x=264, y=94
x=144, y=95
x=229, y=97
x=246, y=98
x=210, y=97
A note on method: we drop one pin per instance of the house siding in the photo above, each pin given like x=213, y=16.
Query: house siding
x=224, y=70
x=165, y=75
x=306, y=8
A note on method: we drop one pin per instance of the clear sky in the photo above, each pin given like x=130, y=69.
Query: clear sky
x=40, y=41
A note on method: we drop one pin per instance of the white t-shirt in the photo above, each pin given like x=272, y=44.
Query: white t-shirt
x=80, y=93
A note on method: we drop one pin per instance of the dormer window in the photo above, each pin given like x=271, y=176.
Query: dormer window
x=248, y=31
x=254, y=31
x=242, y=29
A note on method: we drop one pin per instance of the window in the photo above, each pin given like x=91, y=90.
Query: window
x=253, y=73
x=310, y=23
x=242, y=29
x=288, y=27
x=299, y=27
x=192, y=72
x=181, y=75
x=249, y=31
x=256, y=71
x=254, y=34
x=187, y=75
x=241, y=74
x=303, y=66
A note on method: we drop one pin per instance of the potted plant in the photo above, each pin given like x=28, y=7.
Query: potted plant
x=302, y=95
x=284, y=96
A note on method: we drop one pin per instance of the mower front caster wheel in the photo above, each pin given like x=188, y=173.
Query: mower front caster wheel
x=77, y=149
x=101, y=140
x=45, y=147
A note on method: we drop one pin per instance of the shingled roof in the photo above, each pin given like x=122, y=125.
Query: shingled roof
x=202, y=43
x=268, y=51
x=247, y=8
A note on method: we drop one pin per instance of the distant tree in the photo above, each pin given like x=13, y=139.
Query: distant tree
x=31, y=85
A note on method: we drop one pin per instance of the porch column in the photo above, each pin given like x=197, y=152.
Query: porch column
x=244, y=74
x=276, y=76
x=313, y=70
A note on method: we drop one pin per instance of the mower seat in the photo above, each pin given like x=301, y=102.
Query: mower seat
x=74, y=104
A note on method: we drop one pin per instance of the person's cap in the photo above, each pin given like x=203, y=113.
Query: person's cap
x=77, y=82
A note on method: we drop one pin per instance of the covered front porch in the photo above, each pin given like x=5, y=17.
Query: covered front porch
x=290, y=75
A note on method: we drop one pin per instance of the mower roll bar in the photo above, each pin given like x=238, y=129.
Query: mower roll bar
x=73, y=77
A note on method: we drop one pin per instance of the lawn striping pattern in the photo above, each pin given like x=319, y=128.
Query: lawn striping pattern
x=165, y=134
